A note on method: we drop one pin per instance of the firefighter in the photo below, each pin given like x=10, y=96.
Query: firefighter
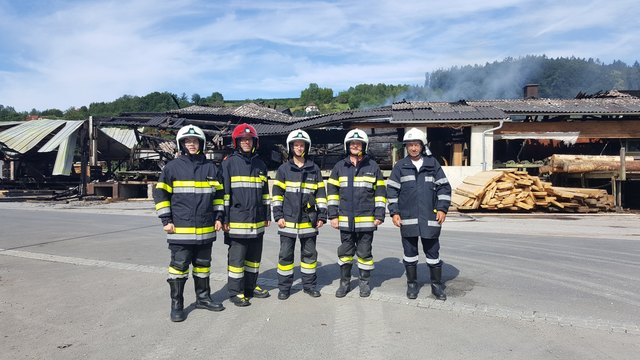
x=189, y=201
x=247, y=213
x=356, y=198
x=419, y=197
x=300, y=208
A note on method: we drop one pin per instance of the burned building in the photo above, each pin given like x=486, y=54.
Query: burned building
x=465, y=136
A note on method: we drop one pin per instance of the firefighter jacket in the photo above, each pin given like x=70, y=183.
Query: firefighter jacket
x=417, y=195
x=246, y=195
x=356, y=195
x=299, y=197
x=189, y=194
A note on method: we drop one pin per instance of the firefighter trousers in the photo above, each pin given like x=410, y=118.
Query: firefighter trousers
x=308, y=262
x=243, y=264
x=431, y=249
x=184, y=255
x=356, y=243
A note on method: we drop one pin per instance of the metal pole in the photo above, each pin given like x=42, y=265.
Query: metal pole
x=83, y=159
x=623, y=164
x=93, y=143
x=622, y=176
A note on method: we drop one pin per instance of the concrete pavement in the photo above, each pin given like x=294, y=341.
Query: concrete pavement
x=87, y=282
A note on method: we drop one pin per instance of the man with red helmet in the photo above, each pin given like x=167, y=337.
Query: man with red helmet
x=247, y=213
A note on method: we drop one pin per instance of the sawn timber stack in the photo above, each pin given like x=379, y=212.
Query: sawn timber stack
x=511, y=190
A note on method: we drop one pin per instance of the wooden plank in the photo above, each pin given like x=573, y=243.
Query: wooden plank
x=457, y=154
x=523, y=205
x=571, y=205
x=524, y=182
x=502, y=193
x=504, y=185
x=509, y=200
x=470, y=190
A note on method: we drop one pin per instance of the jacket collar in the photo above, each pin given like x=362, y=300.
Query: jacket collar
x=307, y=164
x=197, y=158
x=407, y=163
x=246, y=157
x=347, y=160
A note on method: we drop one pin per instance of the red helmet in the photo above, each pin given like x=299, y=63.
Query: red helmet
x=244, y=130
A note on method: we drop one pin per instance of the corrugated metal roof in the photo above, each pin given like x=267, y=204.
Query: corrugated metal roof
x=10, y=123
x=69, y=128
x=136, y=121
x=64, y=157
x=125, y=137
x=246, y=111
x=25, y=136
x=596, y=106
x=316, y=121
x=437, y=112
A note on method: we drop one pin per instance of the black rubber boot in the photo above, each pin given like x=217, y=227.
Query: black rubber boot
x=412, y=281
x=345, y=281
x=252, y=289
x=437, y=288
x=312, y=292
x=239, y=300
x=260, y=293
x=203, y=295
x=365, y=289
x=283, y=294
x=177, y=300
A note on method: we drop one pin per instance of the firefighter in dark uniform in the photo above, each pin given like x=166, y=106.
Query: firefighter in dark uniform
x=419, y=196
x=300, y=208
x=247, y=213
x=189, y=201
x=356, y=198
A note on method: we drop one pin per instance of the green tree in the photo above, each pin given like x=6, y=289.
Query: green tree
x=216, y=97
x=52, y=114
x=76, y=114
x=10, y=114
x=316, y=95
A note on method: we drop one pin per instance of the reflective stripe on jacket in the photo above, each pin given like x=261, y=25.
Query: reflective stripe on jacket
x=298, y=197
x=356, y=195
x=417, y=196
x=189, y=194
x=246, y=201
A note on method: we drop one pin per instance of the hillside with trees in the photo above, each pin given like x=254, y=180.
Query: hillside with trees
x=557, y=78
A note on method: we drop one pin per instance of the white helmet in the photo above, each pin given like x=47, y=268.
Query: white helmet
x=191, y=131
x=298, y=134
x=359, y=135
x=415, y=134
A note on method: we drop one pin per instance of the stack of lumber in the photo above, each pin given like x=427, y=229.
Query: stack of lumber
x=573, y=164
x=518, y=191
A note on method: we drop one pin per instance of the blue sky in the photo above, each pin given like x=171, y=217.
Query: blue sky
x=66, y=53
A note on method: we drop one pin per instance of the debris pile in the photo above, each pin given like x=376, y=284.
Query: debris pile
x=512, y=190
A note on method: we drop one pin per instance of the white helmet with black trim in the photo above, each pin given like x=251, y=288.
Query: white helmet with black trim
x=356, y=135
x=301, y=135
x=415, y=134
x=190, y=131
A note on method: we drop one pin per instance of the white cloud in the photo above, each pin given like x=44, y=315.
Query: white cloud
x=72, y=54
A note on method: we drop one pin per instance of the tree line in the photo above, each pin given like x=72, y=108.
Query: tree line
x=556, y=77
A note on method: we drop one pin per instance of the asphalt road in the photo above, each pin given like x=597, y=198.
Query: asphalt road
x=87, y=281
